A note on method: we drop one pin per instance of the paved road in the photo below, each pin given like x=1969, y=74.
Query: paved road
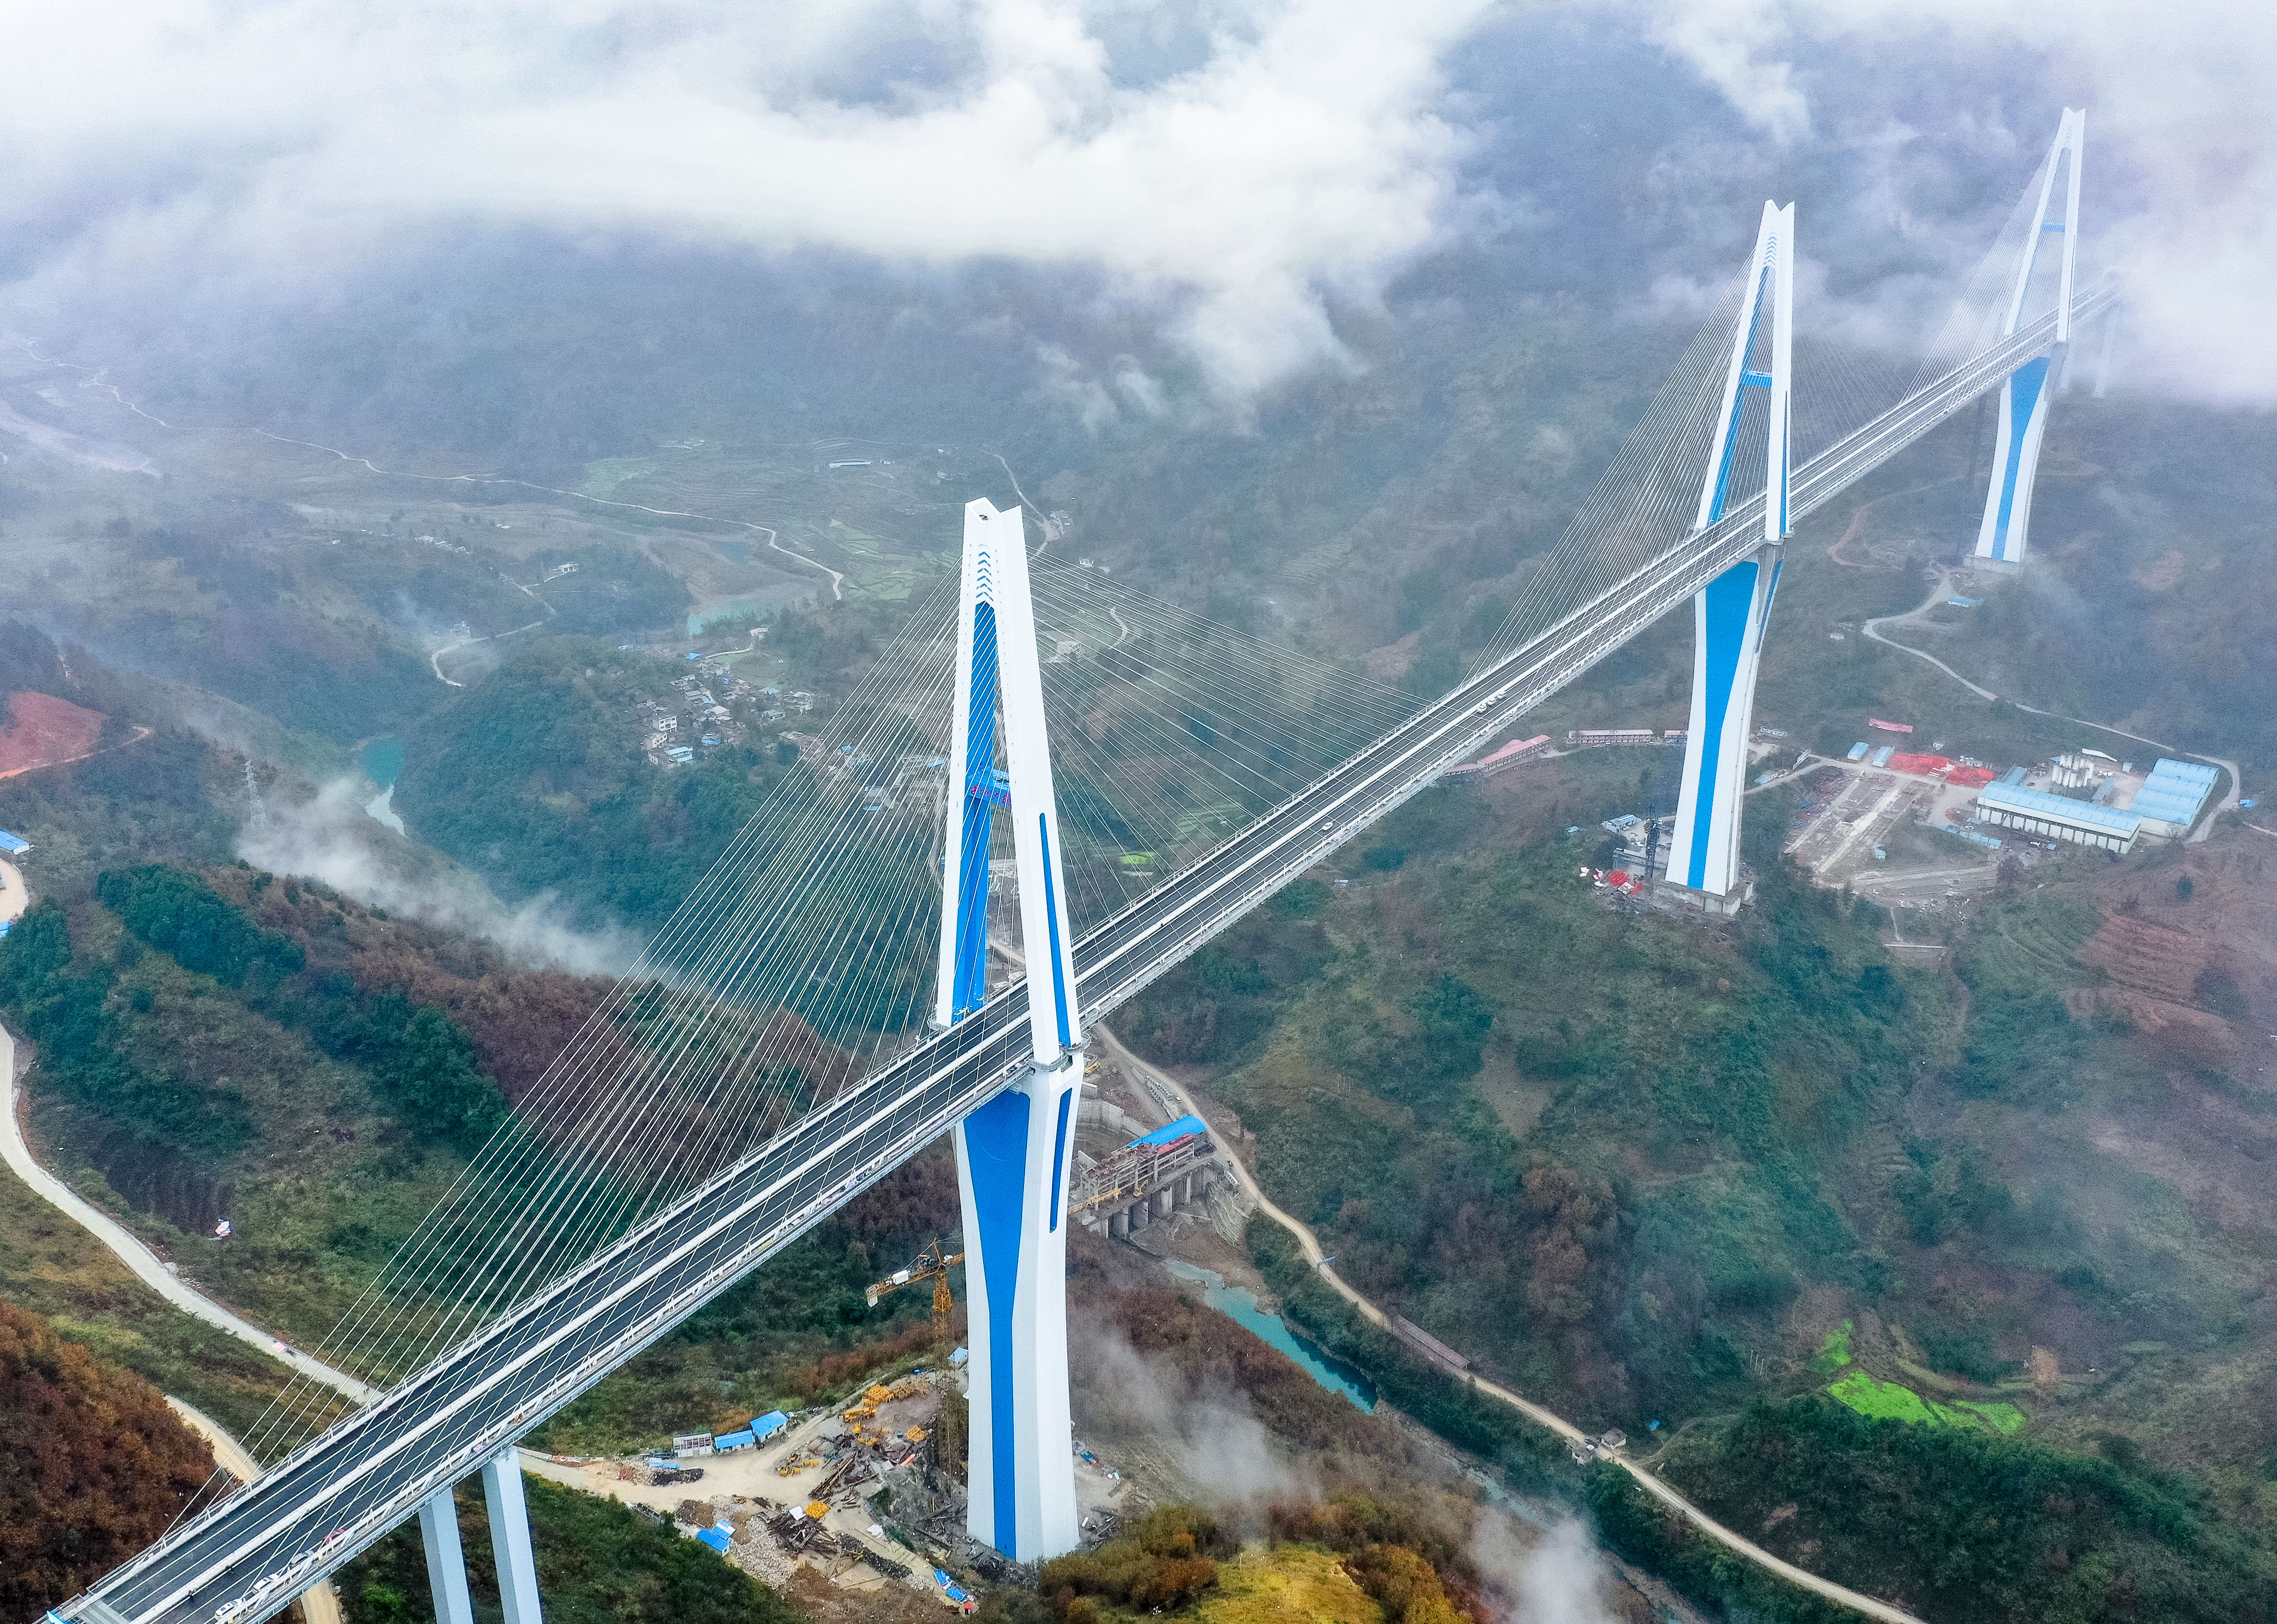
x=130, y=1250
x=319, y=1602
x=1943, y=591
x=1660, y=1490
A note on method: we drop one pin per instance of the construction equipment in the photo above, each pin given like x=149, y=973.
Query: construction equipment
x=933, y=1263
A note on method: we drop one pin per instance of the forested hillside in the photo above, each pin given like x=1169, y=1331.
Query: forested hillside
x=536, y=777
x=1657, y=1170
x=93, y=1465
x=224, y=1044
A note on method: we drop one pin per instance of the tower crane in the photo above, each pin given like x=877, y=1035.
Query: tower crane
x=933, y=1263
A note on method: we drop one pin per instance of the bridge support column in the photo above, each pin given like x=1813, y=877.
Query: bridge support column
x=446, y=1560
x=517, y=1563
x=1729, y=615
x=1013, y=1155
x=1011, y=1168
x=1728, y=621
x=2006, y=526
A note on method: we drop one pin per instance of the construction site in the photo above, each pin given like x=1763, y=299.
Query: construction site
x=869, y=1495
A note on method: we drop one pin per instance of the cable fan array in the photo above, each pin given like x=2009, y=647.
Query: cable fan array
x=805, y=958
x=1645, y=501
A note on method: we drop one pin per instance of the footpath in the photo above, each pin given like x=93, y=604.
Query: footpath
x=1660, y=1490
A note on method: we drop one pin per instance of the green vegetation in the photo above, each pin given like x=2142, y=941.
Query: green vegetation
x=1654, y=1171
x=168, y=798
x=223, y=611
x=1951, y=1522
x=534, y=777
x=1353, y=1559
x=50, y=1266
x=93, y=1465
x=599, y=1562
x=612, y=589
x=1165, y=1561
x=269, y=1053
x=1890, y=1401
x=1396, y=1027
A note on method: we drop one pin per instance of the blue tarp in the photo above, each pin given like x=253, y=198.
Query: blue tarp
x=1179, y=1129
x=717, y=1538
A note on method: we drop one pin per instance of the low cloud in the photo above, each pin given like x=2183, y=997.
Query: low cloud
x=1555, y=1578
x=1238, y=171
x=1212, y=1438
x=1930, y=96
x=333, y=838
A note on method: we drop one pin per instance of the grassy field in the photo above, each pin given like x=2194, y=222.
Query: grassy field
x=1287, y=1584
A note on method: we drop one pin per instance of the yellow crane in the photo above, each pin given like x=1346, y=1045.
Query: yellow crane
x=933, y=1263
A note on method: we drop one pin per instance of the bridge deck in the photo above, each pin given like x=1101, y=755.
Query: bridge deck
x=243, y=1559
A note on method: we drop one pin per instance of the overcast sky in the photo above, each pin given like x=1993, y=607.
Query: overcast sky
x=1240, y=171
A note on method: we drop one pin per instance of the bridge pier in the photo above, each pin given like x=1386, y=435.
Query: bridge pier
x=517, y=1562
x=446, y=1560
x=1011, y=1168
x=510, y=1545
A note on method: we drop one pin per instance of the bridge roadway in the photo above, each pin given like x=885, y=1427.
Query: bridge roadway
x=243, y=1559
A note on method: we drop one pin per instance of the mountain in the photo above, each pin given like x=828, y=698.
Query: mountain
x=92, y=1465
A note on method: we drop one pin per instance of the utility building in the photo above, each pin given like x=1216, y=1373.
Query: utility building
x=2057, y=817
x=2169, y=800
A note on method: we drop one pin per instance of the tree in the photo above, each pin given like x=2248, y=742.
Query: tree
x=92, y=1465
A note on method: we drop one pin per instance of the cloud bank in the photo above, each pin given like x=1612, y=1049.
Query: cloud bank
x=1236, y=175
x=1243, y=167
x=2181, y=138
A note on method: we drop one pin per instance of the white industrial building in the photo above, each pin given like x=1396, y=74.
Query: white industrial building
x=2056, y=817
x=2169, y=800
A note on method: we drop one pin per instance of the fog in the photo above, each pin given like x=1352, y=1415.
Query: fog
x=1211, y=199
x=331, y=837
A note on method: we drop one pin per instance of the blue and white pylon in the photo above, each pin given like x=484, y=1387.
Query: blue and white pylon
x=1012, y=1155
x=2001, y=537
x=1729, y=614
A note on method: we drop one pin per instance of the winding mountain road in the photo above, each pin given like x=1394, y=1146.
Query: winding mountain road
x=1661, y=1491
x=147, y=1265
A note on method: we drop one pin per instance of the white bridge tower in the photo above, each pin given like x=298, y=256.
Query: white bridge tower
x=1729, y=615
x=2001, y=537
x=1012, y=1155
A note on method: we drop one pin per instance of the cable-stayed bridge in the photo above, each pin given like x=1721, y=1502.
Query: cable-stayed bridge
x=548, y=1324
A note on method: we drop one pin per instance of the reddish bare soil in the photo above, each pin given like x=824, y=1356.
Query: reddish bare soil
x=43, y=730
x=2200, y=973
